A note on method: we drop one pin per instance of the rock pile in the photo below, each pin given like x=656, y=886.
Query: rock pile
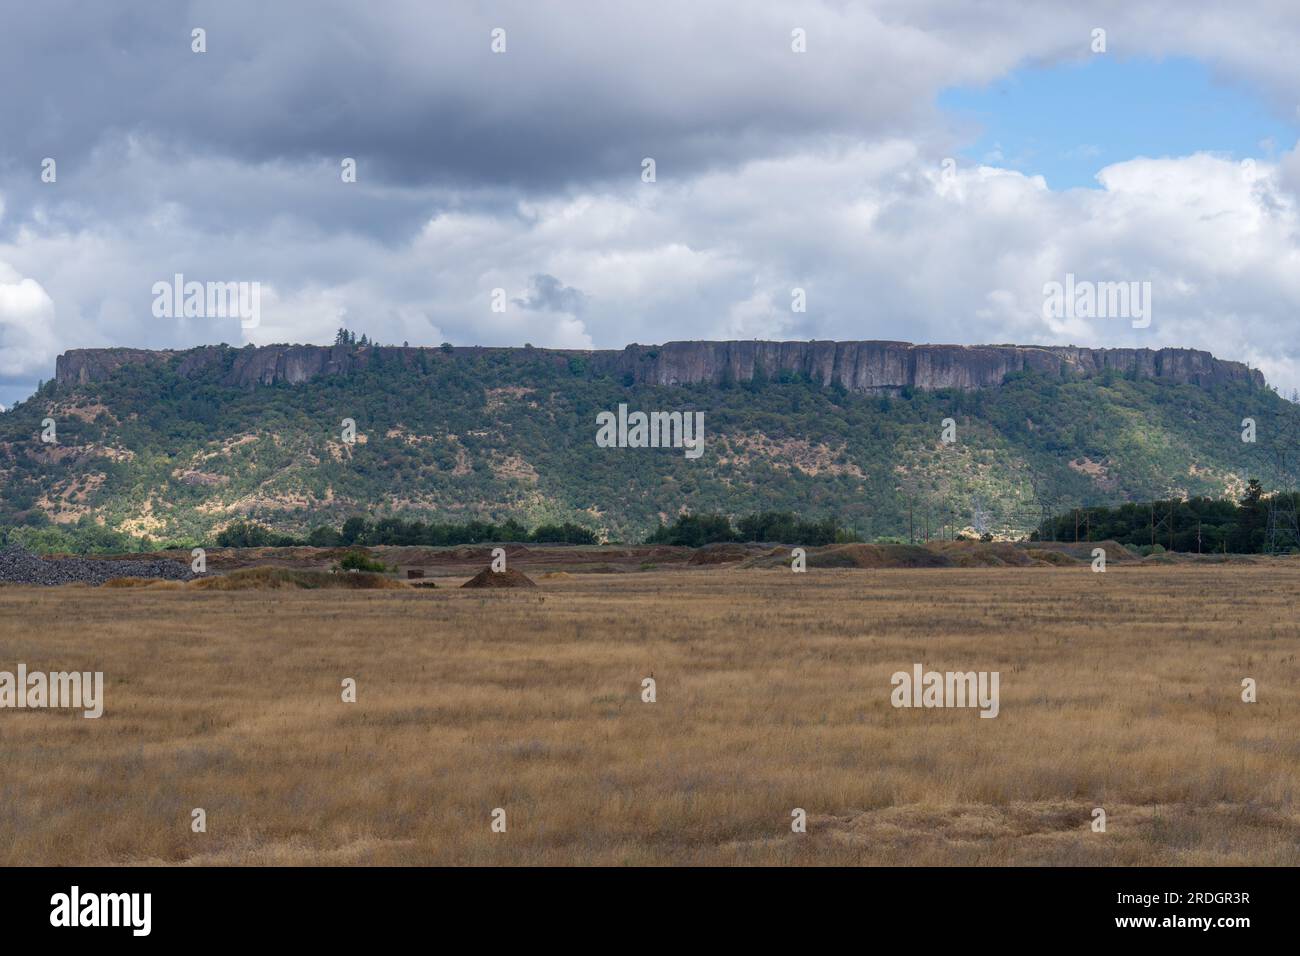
x=19, y=566
x=487, y=578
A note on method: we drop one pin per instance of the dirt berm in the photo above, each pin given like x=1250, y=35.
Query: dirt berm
x=510, y=578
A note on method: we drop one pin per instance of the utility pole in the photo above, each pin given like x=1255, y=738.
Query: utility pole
x=1153, y=523
x=1171, y=524
x=1076, y=525
x=911, y=537
x=1198, y=534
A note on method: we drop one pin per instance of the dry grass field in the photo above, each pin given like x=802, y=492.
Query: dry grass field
x=1120, y=691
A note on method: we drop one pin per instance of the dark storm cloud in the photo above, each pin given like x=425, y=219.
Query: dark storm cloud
x=584, y=90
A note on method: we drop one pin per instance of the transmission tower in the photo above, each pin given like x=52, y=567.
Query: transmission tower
x=1280, y=450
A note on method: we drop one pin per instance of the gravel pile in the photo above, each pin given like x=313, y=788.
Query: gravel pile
x=510, y=578
x=18, y=566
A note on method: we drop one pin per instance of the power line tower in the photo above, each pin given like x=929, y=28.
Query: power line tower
x=1282, y=532
x=1281, y=452
x=1278, y=531
x=1048, y=519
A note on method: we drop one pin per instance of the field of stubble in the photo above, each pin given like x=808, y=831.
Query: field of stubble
x=1120, y=691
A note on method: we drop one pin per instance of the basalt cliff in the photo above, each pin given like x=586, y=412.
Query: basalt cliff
x=873, y=367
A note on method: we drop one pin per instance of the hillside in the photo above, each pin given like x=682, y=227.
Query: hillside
x=176, y=444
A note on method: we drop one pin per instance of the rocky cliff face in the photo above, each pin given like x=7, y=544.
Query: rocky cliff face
x=891, y=366
x=881, y=367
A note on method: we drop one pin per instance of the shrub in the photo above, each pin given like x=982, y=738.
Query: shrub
x=244, y=534
x=324, y=537
x=360, y=561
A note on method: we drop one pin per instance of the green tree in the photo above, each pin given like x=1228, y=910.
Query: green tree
x=354, y=531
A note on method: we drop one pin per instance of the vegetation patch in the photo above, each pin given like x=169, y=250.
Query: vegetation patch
x=360, y=561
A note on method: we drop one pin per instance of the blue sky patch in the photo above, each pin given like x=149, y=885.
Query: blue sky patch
x=1069, y=121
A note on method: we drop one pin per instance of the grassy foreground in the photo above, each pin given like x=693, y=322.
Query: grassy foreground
x=1120, y=691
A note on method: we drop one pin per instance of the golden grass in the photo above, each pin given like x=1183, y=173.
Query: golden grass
x=1119, y=690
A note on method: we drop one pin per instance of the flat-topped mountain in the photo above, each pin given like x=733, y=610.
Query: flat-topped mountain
x=879, y=367
x=177, y=444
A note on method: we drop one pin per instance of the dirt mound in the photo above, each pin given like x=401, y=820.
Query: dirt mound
x=950, y=554
x=980, y=554
x=273, y=579
x=153, y=584
x=510, y=578
x=719, y=554
x=468, y=552
x=557, y=576
x=666, y=552
x=980, y=559
x=1055, y=558
x=1116, y=553
x=1162, y=559
x=778, y=557
x=877, y=556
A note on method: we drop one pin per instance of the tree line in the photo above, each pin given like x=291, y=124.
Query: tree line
x=361, y=530
x=1257, y=523
x=696, y=530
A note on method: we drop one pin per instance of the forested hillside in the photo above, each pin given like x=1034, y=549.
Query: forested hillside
x=169, y=449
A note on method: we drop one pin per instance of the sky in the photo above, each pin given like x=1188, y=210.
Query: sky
x=922, y=170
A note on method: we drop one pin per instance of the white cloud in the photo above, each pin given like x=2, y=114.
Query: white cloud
x=776, y=170
x=26, y=317
x=885, y=245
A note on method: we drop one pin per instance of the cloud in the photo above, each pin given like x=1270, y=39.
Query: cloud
x=583, y=92
x=820, y=171
x=549, y=294
x=883, y=243
x=26, y=316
